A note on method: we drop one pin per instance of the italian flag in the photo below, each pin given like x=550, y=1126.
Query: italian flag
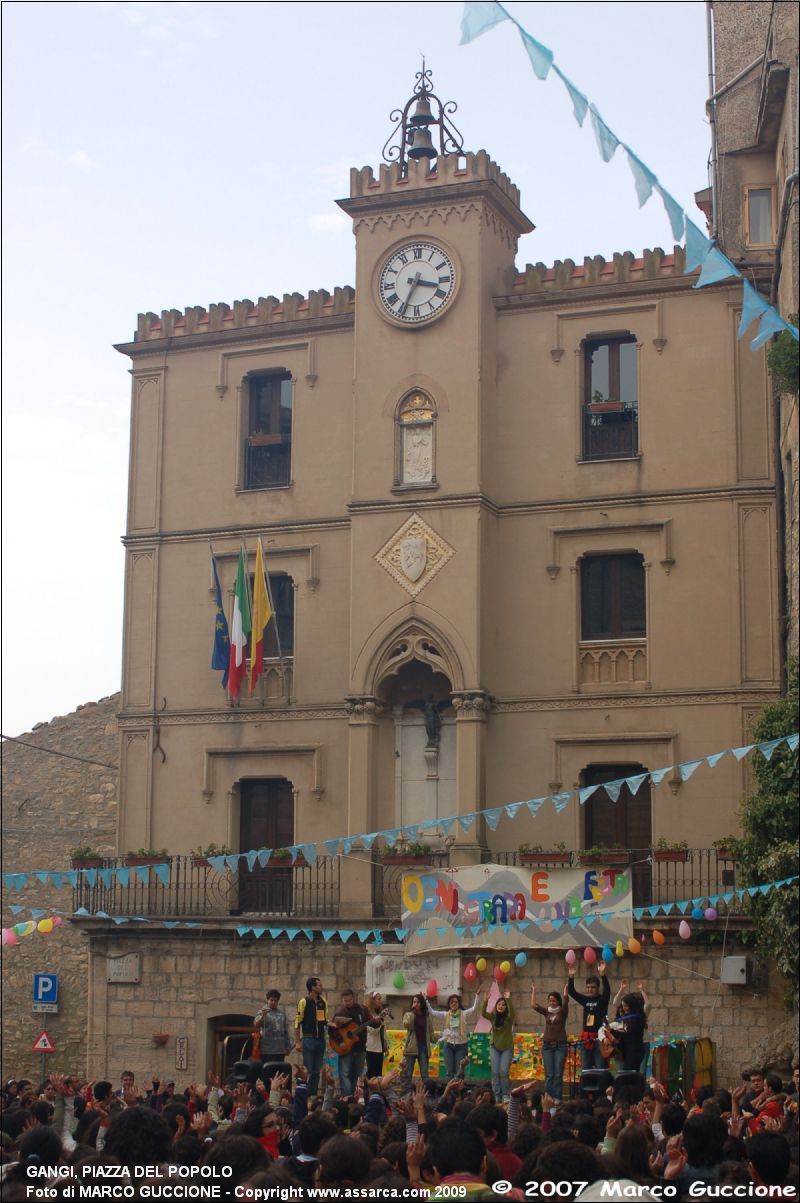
x=240, y=630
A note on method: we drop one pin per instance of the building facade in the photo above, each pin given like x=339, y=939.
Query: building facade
x=519, y=528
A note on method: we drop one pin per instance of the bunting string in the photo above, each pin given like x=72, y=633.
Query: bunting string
x=479, y=18
x=125, y=875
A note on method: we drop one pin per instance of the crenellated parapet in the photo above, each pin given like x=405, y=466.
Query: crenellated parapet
x=449, y=169
x=267, y=311
x=625, y=268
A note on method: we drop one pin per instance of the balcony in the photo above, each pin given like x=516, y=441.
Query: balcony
x=267, y=461
x=311, y=891
x=610, y=430
x=194, y=889
x=612, y=662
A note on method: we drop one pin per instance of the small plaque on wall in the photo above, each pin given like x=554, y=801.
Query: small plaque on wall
x=182, y=1052
x=127, y=968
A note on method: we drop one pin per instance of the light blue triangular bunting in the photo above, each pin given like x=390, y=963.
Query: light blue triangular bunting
x=540, y=57
x=479, y=17
x=674, y=212
x=741, y=752
x=492, y=818
x=634, y=784
x=716, y=266
x=697, y=247
x=561, y=800
x=753, y=305
x=607, y=141
x=580, y=105
x=688, y=768
x=161, y=872
x=771, y=323
x=218, y=863
x=643, y=177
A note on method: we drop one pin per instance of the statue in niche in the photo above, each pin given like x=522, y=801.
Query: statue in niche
x=417, y=454
x=432, y=711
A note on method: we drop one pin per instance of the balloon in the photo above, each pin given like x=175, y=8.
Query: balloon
x=710, y=914
x=634, y=946
x=480, y=964
x=470, y=973
x=506, y=967
x=620, y=949
x=45, y=926
x=398, y=981
x=432, y=988
x=57, y=920
x=658, y=937
x=608, y=953
x=521, y=959
x=684, y=931
x=9, y=937
x=498, y=974
x=589, y=956
x=569, y=956
x=697, y=912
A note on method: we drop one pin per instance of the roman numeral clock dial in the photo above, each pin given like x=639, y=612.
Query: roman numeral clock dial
x=416, y=282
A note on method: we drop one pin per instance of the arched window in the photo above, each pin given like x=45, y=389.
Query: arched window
x=268, y=443
x=415, y=444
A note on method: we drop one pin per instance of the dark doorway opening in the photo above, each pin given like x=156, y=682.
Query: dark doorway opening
x=266, y=821
x=626, y=823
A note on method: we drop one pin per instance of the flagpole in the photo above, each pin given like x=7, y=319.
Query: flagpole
x=274, y=614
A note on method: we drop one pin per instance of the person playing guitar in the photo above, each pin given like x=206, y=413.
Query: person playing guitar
x=347, y=1038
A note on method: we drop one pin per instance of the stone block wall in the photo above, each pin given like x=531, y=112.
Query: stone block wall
x=187, y=980
x=52, y=803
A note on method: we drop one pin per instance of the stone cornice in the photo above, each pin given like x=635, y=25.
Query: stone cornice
x=290, y=327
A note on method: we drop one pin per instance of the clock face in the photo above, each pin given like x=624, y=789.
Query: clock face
x=416, y=282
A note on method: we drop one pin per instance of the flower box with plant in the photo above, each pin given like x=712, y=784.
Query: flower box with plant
x=726, y=847
x=604, y=856
x=604, y=405
x=200, y=855
x=535, y=854
x=281, y=858
x=86, y=858
x=664, y=851
x=262, y=439
x=406, y=854
x=147, y=856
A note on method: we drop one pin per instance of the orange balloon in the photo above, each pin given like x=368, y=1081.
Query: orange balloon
x=634, y=946
x=659, y=937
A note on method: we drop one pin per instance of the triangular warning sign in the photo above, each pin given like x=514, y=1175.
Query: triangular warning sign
x=43, y=1045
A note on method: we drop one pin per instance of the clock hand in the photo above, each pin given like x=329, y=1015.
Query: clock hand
x=413, y=282
x=427, y=283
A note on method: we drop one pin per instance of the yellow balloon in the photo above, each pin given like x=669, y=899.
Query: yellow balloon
x=634, y=946
x=45, y=926
x=620, y=949
x=658, y=937
x=480, y=964
x=505, y=966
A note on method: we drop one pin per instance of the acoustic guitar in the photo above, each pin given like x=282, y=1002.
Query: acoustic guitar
x=344, y=1037
x=608, y=1043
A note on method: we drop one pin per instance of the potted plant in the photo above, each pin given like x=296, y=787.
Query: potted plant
x=604, y=856
x=535, y=854
x=262, y=438
x=726, y=847
x=200, y=855
x=86, y=857
x=160, y=1039
x=146, y=856
x=604, y=405
x=663, y=850
x=281, y=858
x=407, y=853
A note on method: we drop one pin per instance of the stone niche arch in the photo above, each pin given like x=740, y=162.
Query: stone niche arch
x=408, y=637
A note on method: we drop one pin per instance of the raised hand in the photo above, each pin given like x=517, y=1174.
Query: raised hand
x=241, y=1096
x=415, y=1155
x=523, y=1086
x=201, y=1122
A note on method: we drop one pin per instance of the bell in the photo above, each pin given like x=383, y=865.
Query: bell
x=422, y=114
x=421, y=144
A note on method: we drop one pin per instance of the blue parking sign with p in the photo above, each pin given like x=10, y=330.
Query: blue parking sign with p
x=45, y=987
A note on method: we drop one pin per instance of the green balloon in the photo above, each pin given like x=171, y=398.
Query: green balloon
x=398, y=981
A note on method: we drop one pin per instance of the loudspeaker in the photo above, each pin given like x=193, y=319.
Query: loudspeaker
x=594, y=1082
x=270, y=1068
x=632, y=1083
x=247, y=1071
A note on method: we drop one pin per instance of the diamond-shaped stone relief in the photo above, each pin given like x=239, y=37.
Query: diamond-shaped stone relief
x=414, y=554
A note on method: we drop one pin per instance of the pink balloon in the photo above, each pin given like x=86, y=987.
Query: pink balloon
x=57, y=920
x=589, y=956
x=9, y=937
x=498, y=974
x=432, y=988
x=684, y=930
x=569, y=956
x=470, y=973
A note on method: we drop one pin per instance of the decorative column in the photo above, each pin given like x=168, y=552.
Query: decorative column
x=472, y=708
x=355, y=883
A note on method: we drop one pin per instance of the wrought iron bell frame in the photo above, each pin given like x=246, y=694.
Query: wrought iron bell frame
x=399, y=146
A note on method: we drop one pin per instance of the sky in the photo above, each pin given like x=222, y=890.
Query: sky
x=160, y=155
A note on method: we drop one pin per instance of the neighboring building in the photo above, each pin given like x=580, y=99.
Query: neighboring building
x=59, y=793
x=520, y=533
x=752, y=205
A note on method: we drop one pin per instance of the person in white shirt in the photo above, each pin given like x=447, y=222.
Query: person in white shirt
x=455, y=1035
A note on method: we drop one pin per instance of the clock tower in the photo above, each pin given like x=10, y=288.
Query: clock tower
x=436, y=236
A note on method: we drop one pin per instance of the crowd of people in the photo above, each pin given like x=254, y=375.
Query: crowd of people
x=284, y=1123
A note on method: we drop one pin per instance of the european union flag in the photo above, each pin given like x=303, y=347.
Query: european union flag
x=221, y=655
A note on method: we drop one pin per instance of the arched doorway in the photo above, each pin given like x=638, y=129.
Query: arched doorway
x=418, y=695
